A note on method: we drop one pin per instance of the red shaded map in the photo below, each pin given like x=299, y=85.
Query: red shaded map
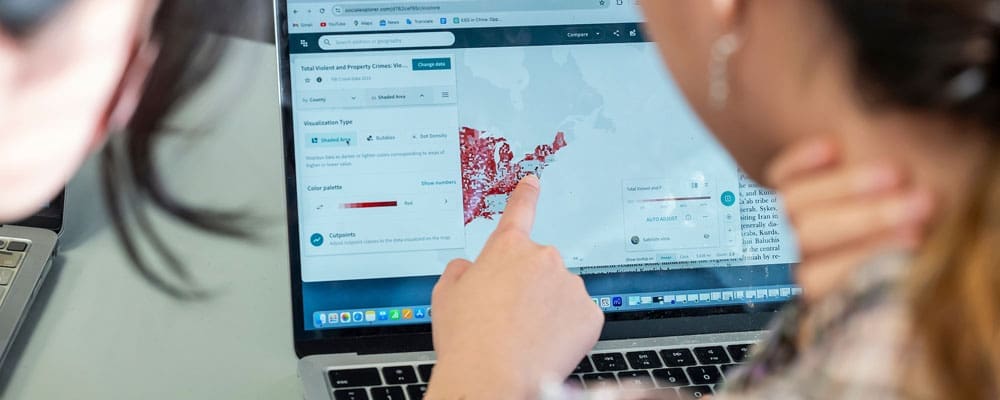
x=489, y=173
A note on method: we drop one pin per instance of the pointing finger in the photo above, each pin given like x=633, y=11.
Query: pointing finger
x=520, y=212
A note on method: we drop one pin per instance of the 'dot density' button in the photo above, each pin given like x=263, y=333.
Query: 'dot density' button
x=431, y=64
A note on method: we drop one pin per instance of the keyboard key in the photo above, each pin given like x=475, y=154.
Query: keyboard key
x=416, y=392
x=10, y=260
x=350, y=394
x=678, y=358
x=739, y=352
x=727, y=369
x=712, y=355
x=574, y=380
x=584, y=367
x=355, y=378
x=6, y=275
x=671, y=377
x=644, y=360
x=17, y=246
x=399, y=375
x=609, y=362
x=425, y=372
x=388, y=393
x=666, y=394
x=709, y=375
x=593, y=381
x=696, y=392
x=635, y=380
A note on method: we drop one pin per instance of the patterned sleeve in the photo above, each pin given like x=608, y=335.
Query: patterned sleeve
x=857, y=342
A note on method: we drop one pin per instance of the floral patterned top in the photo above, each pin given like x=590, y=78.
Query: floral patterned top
x=857, y=344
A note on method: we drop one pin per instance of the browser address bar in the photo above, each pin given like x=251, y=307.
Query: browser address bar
x=368, y=8
x=386, y=41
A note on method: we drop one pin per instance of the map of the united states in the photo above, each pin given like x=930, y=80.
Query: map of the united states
x=489, y=172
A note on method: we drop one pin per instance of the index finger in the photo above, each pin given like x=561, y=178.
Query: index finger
x=520, y=212
x=800, y=159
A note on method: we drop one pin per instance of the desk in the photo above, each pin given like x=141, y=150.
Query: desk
x=100, y=332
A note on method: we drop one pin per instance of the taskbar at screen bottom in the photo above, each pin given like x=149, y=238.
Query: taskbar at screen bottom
x=631, y=302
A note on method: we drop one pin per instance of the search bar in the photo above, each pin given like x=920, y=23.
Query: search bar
x=386, y=41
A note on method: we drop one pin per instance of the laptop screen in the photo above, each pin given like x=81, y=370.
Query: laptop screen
x=412, y=122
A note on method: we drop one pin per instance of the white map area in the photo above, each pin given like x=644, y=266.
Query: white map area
x=623, y=118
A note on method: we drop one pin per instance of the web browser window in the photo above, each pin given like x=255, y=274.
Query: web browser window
x=415, y=120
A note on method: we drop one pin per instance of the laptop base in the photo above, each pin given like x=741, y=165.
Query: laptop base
x=687, y=366
x=25, y=259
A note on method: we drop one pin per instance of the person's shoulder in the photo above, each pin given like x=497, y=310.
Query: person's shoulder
x=873, y=295
x=858, y=341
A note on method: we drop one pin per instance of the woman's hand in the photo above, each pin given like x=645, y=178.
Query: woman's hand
x=513, y=319
x=844, y=214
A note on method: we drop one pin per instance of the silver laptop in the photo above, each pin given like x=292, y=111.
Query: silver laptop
x=406, y=124
x=26, y=252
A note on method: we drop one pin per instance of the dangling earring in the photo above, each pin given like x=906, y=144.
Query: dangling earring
x=718, y=69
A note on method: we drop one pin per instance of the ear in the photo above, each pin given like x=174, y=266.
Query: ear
x=129, y=94
x=729, y=14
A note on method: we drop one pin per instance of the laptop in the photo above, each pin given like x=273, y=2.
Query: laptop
x=405, y=124
x=27, y=249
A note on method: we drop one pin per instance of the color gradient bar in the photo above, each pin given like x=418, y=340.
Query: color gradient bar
x=371, y=204
x=669, y=199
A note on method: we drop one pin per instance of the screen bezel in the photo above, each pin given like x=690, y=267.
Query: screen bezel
x=374, y=340
x=50, y=217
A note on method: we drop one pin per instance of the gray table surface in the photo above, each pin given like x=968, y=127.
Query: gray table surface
x=100, y=332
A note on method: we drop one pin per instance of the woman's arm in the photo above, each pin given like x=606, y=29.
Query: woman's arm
x=517, y=318
x=514, y=318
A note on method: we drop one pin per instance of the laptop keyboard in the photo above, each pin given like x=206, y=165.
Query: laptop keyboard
x=12, y=254
x=674, y=373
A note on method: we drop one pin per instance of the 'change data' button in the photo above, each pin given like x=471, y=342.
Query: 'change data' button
x=431, y=64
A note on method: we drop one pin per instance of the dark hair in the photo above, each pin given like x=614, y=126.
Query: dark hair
x=928, y=55
x=943, y=57
x=187, y=36
x=190, y=47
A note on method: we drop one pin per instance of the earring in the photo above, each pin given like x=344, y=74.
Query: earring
x=718, y=70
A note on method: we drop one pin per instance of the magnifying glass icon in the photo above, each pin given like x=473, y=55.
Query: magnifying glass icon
x=326, y=42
